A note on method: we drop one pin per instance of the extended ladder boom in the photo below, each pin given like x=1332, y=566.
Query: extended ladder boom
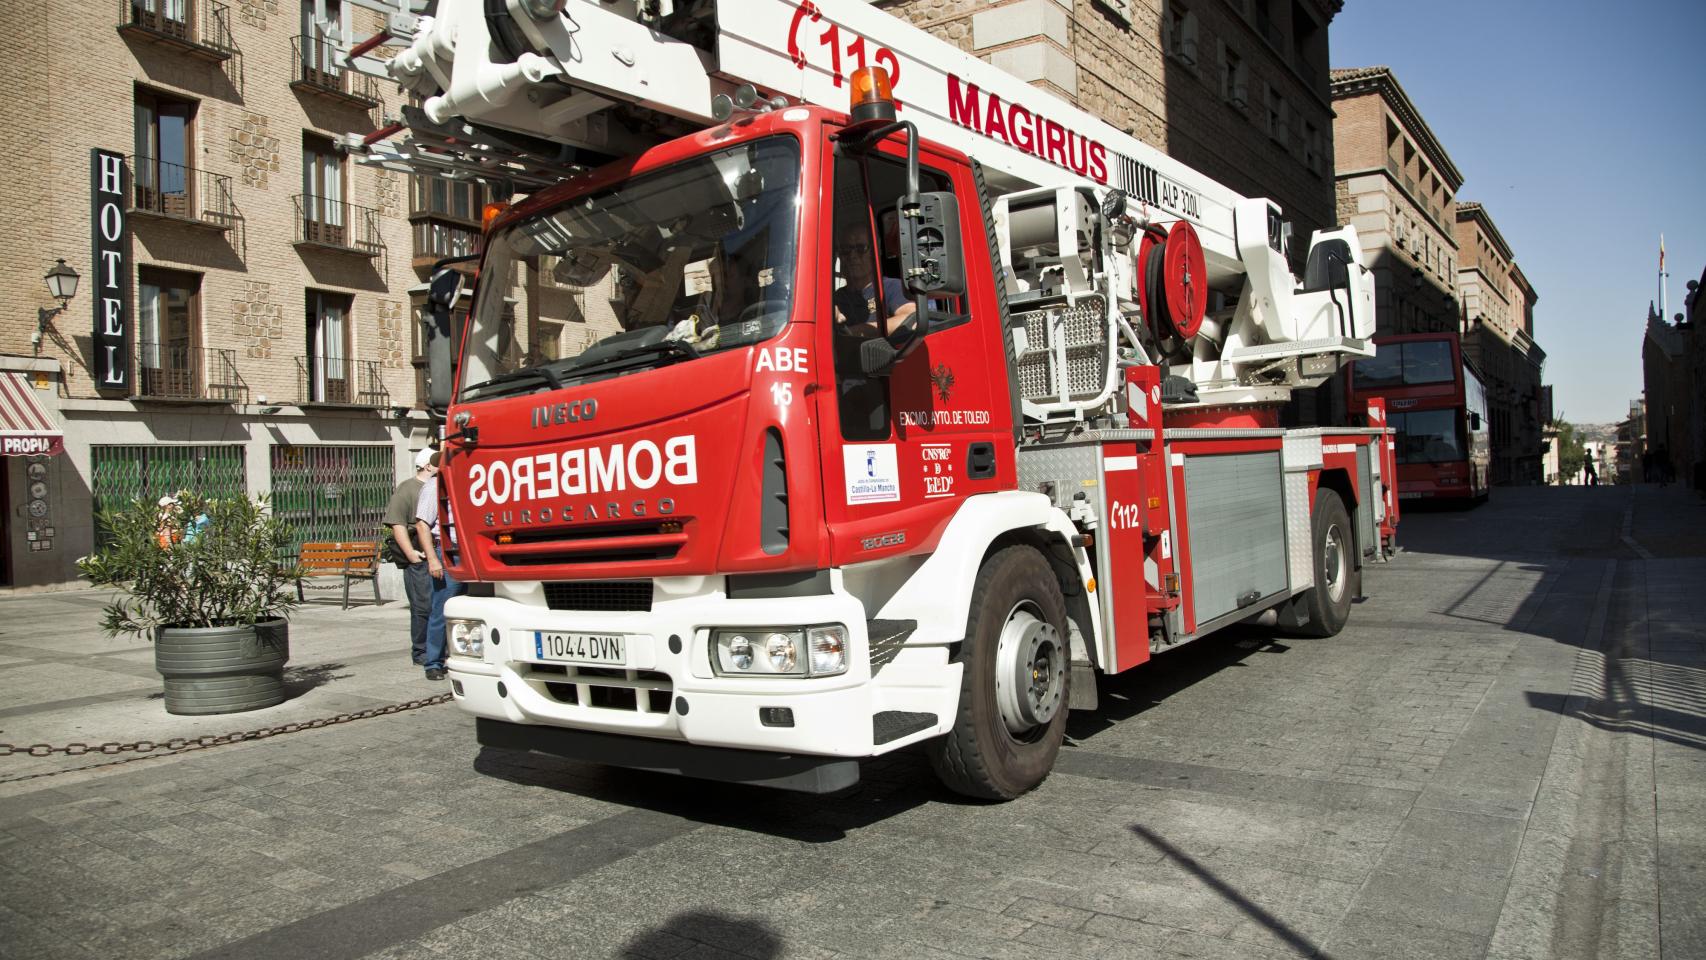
x=530, y=98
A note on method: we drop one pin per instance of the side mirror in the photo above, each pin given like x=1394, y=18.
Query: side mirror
x=442, y=292
x=931, y=261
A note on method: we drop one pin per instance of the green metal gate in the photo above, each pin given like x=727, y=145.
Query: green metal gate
x=332, y=493
x=148, y=472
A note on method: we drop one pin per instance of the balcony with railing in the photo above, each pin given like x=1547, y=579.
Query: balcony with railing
x=178, y=371
x=200, y=28
x=172, y=191
x=335, y=225
x=315, y=70
x=437, y=236
x=339, y=382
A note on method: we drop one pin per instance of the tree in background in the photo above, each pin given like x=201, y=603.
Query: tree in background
x=1571, y=453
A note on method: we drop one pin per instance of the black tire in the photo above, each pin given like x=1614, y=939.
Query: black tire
x=1328, y=603
x=982, y=756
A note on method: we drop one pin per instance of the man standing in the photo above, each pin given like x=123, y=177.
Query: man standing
x=444, y=586
x=399, y=522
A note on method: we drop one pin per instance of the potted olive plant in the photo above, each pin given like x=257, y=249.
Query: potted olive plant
x=210, y=581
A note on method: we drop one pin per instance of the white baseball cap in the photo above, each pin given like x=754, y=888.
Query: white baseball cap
x=424, y=458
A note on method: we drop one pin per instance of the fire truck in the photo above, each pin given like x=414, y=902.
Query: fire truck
x=911, y=397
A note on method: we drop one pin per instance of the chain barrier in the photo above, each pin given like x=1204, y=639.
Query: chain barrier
x=150, y=748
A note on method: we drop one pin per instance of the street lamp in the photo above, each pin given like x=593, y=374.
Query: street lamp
x=62, y=286
x=62, y=281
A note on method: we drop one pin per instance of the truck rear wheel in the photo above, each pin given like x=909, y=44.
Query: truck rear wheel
x=1328, y=603
x=1011, y=718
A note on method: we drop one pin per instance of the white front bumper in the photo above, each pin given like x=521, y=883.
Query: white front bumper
x=669, y=691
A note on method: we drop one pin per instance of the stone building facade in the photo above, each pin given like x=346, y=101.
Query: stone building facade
x=259, y=280
x=1397, y=185
x=1497, y=324
x=1673, y=368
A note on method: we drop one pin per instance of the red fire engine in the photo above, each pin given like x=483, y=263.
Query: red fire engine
x=853, y=430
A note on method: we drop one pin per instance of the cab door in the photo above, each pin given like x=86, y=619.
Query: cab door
x=901, y=450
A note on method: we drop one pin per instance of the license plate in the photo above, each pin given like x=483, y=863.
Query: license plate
x=604, y=649
x=1409, y=496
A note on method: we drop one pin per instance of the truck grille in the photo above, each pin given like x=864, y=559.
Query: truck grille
x=600, y=595
x=601, y=688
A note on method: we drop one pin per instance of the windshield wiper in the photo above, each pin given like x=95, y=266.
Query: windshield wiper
x=540, y=372
x=679, y=349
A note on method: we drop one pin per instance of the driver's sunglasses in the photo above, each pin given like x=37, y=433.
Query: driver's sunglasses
x=860, y=247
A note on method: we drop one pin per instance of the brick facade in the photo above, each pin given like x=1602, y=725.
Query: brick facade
x=1398, y=187
x=72, y=78
x=1498, y=338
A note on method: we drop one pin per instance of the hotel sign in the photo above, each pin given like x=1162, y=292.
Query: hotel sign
x=112, y=340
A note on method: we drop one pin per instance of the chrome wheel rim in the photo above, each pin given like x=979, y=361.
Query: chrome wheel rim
x=1030, y=671
x=1333, y=563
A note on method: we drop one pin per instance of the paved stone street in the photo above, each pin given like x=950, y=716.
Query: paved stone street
x=1500, y=757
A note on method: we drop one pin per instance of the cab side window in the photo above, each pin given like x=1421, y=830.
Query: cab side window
x=867, y=289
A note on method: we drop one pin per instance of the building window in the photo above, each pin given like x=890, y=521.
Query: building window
x=323, y=190
x=1179, y=33
x=168, y=332
x=328, y=372
x=1312, y=147
x=315, y=14
x=456, y=199
x=445, y=215
x=1266, y=25
x=164, y=147
x=1234, y=78
x=1279, y=118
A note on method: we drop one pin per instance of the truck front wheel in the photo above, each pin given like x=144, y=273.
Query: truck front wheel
x=1013, y=695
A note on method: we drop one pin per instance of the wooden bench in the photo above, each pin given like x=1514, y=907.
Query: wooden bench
x=354, y=560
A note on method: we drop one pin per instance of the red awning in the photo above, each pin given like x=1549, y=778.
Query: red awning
x=25, y=428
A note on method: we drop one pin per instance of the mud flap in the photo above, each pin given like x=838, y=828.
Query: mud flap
x=1082, y=693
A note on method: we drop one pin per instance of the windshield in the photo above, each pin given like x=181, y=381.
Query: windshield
x=1428, y=436
x=665, y=268
x=1409, y=364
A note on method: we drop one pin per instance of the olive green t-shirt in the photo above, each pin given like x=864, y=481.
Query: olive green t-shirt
x=401, y=509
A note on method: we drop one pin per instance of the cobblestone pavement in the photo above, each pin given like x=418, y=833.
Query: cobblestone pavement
x=1501, y=757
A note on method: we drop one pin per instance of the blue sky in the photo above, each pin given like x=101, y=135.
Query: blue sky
x=1582, y=129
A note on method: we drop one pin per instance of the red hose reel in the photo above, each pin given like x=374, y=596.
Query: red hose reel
x=1172, y=277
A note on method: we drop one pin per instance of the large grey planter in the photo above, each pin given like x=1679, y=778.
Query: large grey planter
x=222, y=669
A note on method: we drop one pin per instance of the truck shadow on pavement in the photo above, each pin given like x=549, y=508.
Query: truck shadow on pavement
x=889, y=785
x=705, y=932
x=1125, y=695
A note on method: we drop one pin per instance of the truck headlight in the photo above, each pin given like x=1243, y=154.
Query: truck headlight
x=465, y=638
x=779, y=652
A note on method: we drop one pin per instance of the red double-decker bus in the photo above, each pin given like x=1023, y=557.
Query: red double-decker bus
x=1438, y=406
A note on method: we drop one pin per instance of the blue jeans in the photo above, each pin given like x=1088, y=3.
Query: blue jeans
x=442, y=590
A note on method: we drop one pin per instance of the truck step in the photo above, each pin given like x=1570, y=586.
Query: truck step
x=891, y=725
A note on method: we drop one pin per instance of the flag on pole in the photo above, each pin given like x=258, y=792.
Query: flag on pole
x=1661, y=253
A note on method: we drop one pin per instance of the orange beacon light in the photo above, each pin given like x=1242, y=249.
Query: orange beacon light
x=871, y=96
